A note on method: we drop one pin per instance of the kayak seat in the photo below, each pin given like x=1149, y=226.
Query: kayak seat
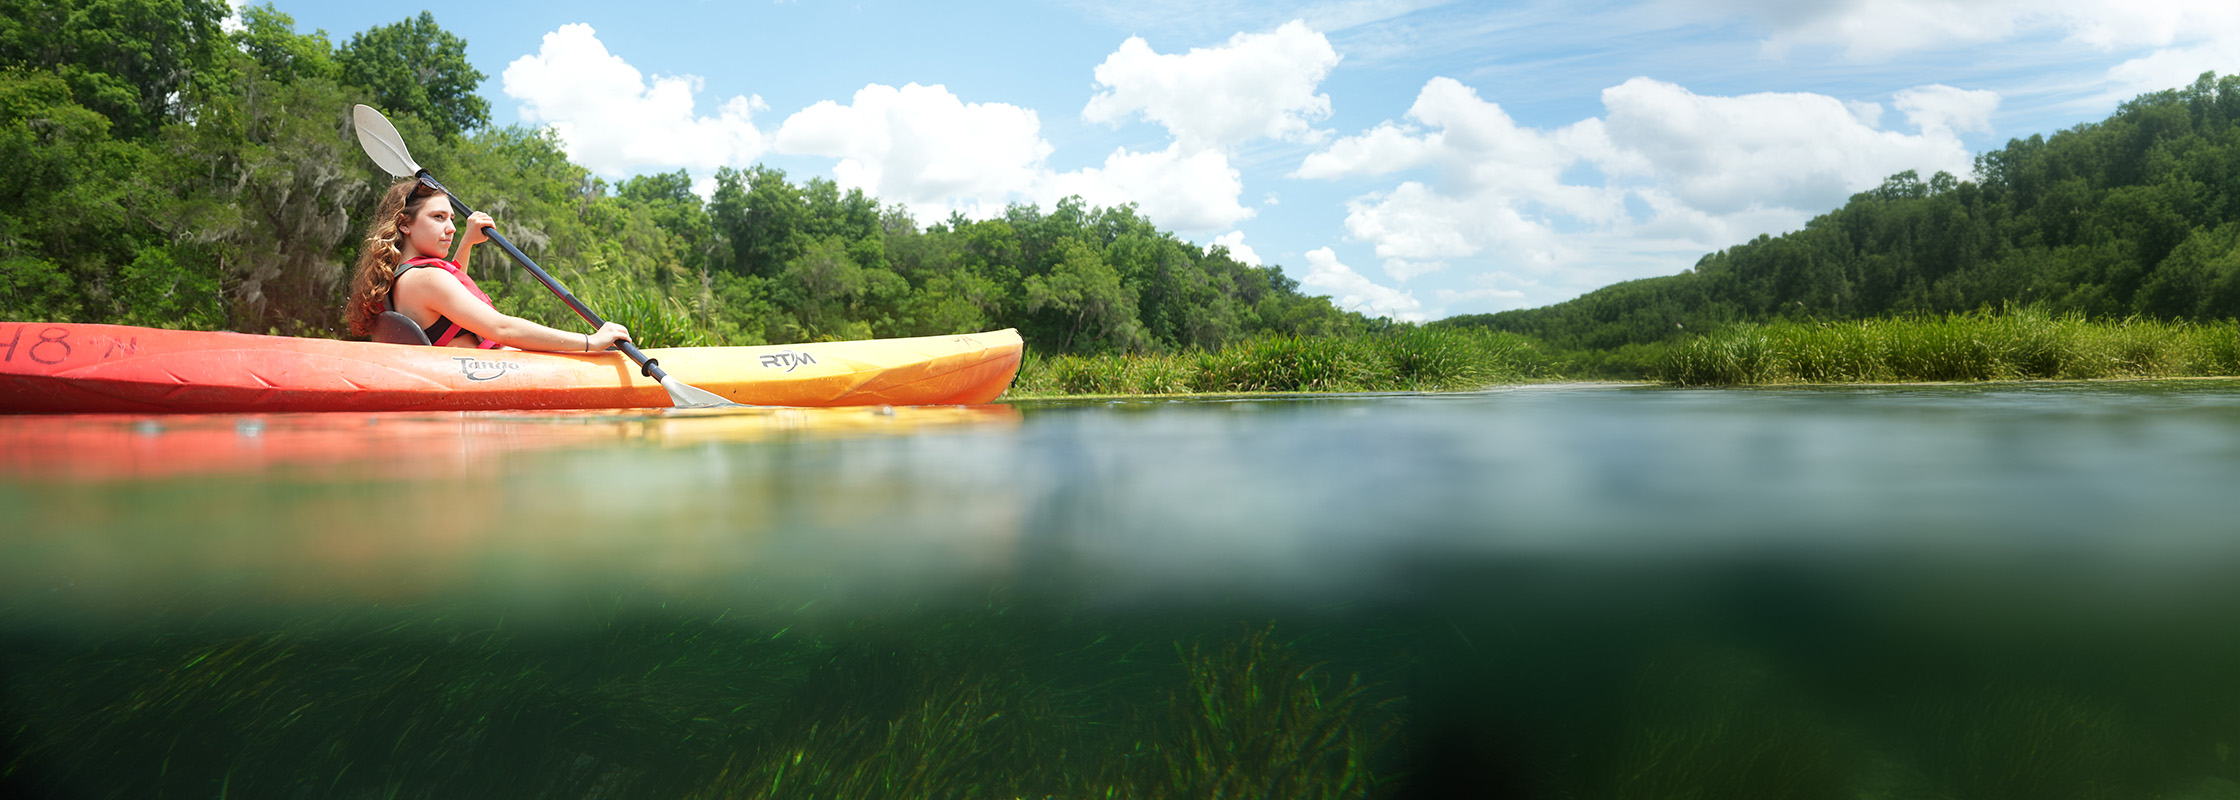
x=394, y=328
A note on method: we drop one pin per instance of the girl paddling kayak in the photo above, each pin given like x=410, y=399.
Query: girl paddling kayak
x=402, y=269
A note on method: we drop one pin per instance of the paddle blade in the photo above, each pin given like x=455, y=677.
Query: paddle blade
x=683, y=396
x=381, y=141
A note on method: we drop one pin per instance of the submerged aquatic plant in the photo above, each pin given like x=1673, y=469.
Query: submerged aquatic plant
x=413, y=705
x=639, y=703
x=1712, y=724
x=1253, y=721
x=883, y=722
x=2029, y=741
x=1257, y=721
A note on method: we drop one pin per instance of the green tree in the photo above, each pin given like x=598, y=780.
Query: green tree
x=415, y=67
x=960, y=301
x=1091, y=305
x=270, y=38
x=130, y=60
x=668, y=199
x=271, y=184
x=820, y=288
x=66, y=199
x=2200, y=279
x=761, y=217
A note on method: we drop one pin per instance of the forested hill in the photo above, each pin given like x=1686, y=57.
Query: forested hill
x=2138, y=214
x=162, y=171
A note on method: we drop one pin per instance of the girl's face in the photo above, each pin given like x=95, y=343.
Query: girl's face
x=429, y=232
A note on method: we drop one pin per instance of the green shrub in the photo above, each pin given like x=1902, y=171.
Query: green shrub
x=1407, y=359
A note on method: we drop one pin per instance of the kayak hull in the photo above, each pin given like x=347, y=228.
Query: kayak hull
x=79, y=368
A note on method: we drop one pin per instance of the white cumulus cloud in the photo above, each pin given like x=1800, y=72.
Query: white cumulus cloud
x=1257, y=85
x=1453, y=296
x=2173, y=67
x=1383, y=149
x=1233, y=241
x=1939, y=110
x=613, y=120
x=2180, y=39
x=1498, y=181
x=922, y=146
x=1777, y=149
x=1190, y=191
x=1417, y=229
x=1353, y=292
x=1880, y=29
x=1700, y=172
x=925, y=147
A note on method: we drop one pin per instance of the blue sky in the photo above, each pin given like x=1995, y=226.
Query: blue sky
x=1410, y=158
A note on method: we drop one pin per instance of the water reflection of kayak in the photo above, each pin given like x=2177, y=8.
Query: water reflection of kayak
x=66, y=368
x=83, y=447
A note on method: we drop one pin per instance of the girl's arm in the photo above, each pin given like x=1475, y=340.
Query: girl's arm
x=446, y=296
x=474, y=225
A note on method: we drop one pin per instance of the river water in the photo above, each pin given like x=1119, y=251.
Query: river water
x=2020, y=590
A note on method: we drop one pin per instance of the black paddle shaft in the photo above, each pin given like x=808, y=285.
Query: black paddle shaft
x=650, y=367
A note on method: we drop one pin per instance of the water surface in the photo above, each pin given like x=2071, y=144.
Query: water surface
x=2016, y=590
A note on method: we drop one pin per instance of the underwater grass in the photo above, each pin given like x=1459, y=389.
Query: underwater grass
x=644, y=705
x=356, y=705
x=1719, y=724
x=886, y=721
x=2014, y=740
x=1257, y=721
x=1414, y=359
x=2014, y=345
x=972, y=704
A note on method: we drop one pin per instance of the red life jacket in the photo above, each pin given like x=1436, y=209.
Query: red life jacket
x=443, y=330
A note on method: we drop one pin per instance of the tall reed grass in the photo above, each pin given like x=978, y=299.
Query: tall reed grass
x=1983, y=346
x=656, y=320
x=655, y=317
x=1418, y=359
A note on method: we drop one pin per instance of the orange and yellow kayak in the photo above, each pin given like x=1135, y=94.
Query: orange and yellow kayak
x=77, y=368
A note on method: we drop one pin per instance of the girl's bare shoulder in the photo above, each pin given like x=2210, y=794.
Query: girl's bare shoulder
x=426, y=276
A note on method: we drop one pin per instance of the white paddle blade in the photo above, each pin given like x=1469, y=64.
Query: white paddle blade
x=381, y=141
x=684, y=396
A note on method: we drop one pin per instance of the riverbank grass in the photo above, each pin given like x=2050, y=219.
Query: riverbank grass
x=1416, y=359
x=2017, y=345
